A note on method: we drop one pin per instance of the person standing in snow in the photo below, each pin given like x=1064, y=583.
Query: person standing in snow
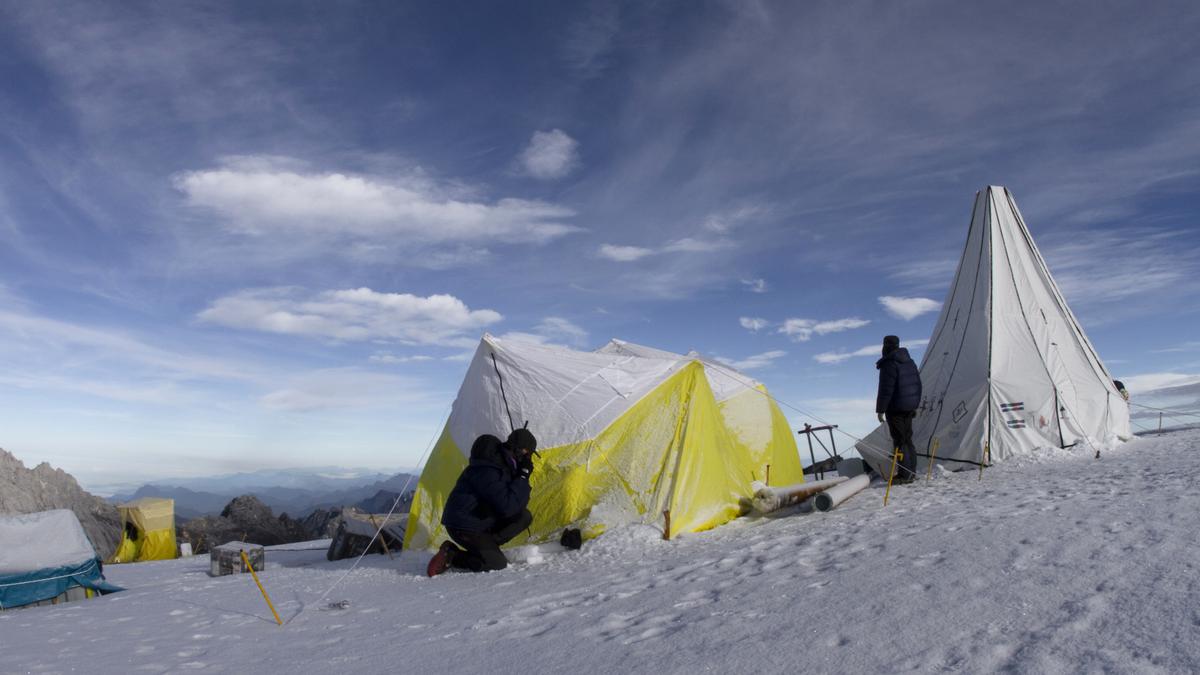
x=488, y=505
x=897, y=401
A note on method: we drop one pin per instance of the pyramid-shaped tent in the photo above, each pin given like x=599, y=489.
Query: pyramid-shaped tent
x=625, y=434
x=1008, y=368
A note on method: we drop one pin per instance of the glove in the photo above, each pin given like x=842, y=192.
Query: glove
x=525, y=465
x=880, y=417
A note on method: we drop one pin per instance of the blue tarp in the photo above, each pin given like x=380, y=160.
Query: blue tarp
x=28, y=587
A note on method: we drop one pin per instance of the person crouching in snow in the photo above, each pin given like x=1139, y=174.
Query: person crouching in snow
x=488, y=505
x=899, y=396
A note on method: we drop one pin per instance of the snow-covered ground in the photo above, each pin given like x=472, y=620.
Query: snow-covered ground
x=1064, y=564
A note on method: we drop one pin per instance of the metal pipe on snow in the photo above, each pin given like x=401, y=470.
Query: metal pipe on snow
x=767, y=499
x=841, y=492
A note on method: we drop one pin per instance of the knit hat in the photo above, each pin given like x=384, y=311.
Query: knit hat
x=890, y=344
x=522, y=439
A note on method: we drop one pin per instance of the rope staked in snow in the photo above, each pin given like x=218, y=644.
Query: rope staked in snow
x=420, y=464
x=1164, y=410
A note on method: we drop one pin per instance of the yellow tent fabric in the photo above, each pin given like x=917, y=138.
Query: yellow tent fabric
x=667, y=444
x=148, y=531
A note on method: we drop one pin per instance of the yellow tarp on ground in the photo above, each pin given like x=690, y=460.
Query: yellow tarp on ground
x=148, y=531
x=674, y=448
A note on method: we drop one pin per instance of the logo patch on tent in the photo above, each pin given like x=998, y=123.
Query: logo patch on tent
x=960, y=410
x=1012, y=407
x=1015, y=424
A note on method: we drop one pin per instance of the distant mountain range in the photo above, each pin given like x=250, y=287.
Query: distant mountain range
x=294, y=492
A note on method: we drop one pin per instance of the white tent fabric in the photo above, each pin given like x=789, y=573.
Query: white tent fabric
x=564, y=394
x=1008, y=368
x=44, y=540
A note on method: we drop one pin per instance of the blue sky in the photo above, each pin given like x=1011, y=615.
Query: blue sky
x=247, y=235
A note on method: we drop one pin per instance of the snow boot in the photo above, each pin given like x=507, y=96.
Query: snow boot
x=440, y=562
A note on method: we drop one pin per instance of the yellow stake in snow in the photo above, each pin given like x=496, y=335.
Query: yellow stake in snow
x=250, y=567
x=896, y=456
x=987, y=453
x=932, y=456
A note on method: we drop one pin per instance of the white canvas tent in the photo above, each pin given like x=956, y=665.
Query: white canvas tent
x=626, y=434
x=1008, y=368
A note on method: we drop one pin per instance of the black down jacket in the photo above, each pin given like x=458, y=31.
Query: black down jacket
x=489, y=490
x=899, y=383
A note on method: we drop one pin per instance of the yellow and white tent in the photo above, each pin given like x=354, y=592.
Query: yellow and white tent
x=147, y=530
x=625, y=434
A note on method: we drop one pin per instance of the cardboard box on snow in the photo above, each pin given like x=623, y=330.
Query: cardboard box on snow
x=227, y=558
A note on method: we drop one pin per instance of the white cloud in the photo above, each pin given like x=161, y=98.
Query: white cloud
x=1150, y=382
x=753, y=324
x=558, y=327
x=723, y=222
x=684, y=245
x=353, y=314
x=552, y=330
x=693, y=245
x=1190, y=346
x=755, y=285
x=391, y=359
x=908, y=308
x=262, y=196
x=870, y=350
x=801, y=330
x=340, y=388
x=623, y=253
x=755, y=361
x=550, y=155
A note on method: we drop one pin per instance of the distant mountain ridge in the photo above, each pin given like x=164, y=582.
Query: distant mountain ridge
x=209, y=495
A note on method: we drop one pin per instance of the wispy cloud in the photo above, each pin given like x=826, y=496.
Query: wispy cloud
x=802, y=330
x=340, y=388
x=870, y=350
x=551, y=330
x=271, y=196
x=753, y=324
x=623, y=253
x=683, y=245
x=391, y=359
x=352, y=314
x=755, y=285
x=908, y=308
x=550, y=155
x=1191, y=346
x=752, y=362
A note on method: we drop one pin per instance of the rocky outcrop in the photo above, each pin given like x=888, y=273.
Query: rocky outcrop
x=247, y=519
x=43, y=488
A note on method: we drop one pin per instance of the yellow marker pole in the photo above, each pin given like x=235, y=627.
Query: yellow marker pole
x=932, y=456
x=987, y=451
x=260, y=587
x=382, y=539
x=896, y=456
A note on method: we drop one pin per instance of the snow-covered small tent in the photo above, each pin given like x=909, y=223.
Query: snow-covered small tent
x=1008, y=368
x=47, y=558
x=625, y=434
x=147, y=531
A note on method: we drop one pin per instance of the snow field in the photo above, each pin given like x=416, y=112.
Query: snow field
x=1064, y=564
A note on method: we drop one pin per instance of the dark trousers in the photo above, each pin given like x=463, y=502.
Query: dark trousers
x=482, y=549
x=900, y=426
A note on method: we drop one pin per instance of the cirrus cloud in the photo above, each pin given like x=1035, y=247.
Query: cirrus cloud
x=802, y=330
x=262, y=196
x=352, y=314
